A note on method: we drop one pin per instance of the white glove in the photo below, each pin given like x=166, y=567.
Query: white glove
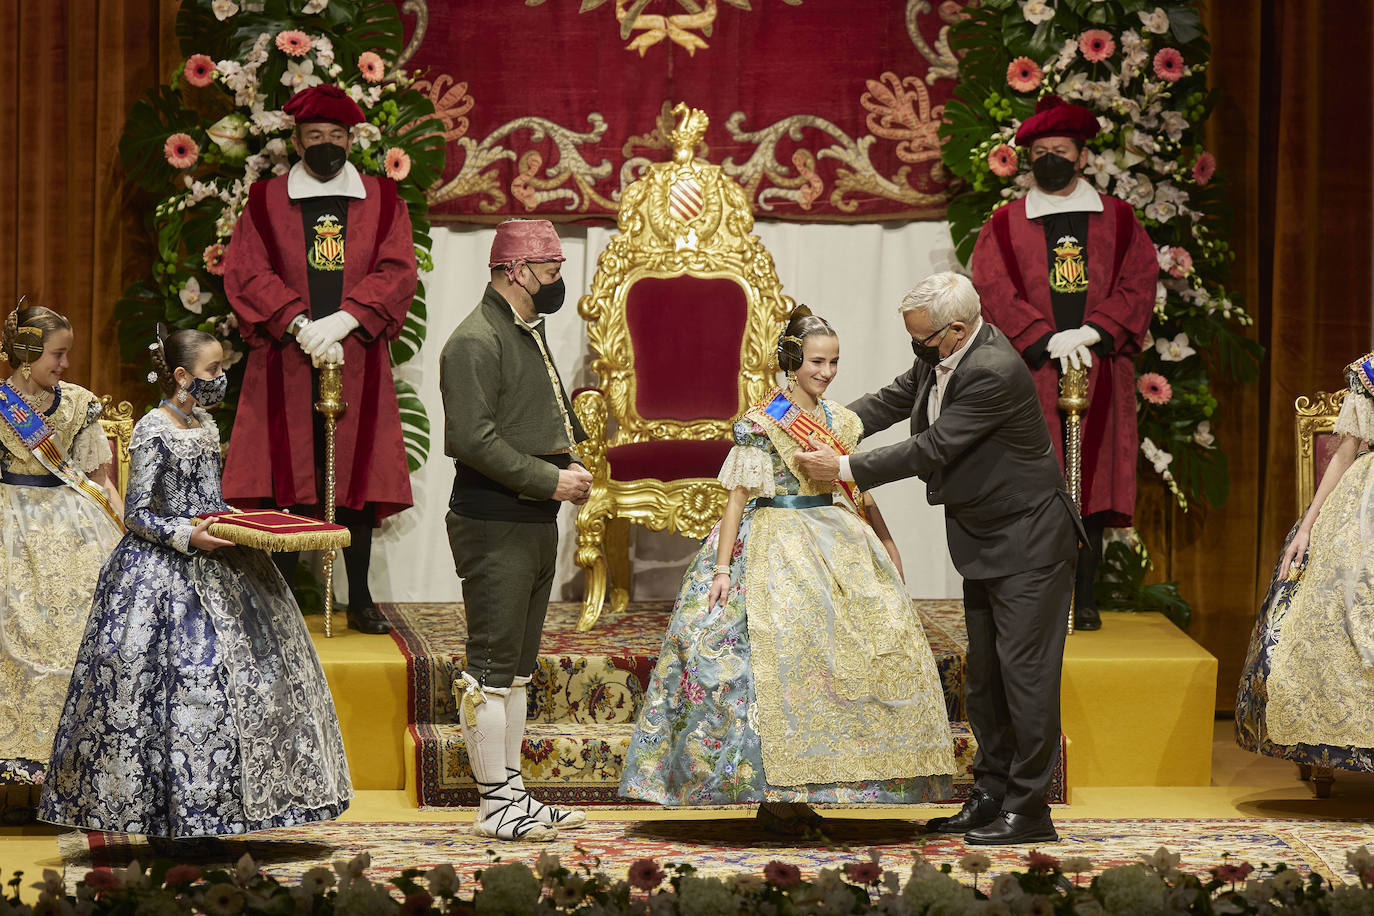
x=1071, y=347
x=316, y=336
x=332, y=354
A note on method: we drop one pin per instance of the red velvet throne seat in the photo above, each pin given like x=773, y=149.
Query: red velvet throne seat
x=682, y=319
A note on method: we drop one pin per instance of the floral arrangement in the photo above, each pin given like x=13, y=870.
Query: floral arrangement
x=198, y=142
x=1140, y=66
x=1047, y=885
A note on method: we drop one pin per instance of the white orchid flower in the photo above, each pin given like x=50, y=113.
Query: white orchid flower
x=192, y=299
x=1176, y=350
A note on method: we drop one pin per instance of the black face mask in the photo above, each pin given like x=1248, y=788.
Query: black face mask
x=325, y=159
x=929, y=353
x=1052, y=172
x=549, y=297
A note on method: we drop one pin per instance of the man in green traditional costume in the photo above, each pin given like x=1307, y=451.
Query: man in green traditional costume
x=510, y=429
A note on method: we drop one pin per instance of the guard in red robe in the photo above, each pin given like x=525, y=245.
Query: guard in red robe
x=321, y=268
x=1069, y=275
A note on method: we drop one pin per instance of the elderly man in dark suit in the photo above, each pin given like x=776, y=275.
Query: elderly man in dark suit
x=978, y=440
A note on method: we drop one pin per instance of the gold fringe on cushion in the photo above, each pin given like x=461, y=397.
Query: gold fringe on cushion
x=281, y=541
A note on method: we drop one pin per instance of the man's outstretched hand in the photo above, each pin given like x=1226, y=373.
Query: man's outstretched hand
x=820, y=463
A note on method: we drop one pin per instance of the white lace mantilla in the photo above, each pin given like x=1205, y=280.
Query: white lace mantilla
x=748, y=467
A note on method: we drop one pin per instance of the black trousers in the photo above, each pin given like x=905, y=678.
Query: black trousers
x=1016, y=630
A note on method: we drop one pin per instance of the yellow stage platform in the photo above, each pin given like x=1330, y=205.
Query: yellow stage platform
x=367, y=675
x=1138, y=701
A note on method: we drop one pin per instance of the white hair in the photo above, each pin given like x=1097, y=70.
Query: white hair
x=946, y=296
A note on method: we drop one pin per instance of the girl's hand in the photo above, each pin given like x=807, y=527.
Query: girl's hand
x=891, y=549
x=202, y=539
x=1296, y=548
x=720, y=584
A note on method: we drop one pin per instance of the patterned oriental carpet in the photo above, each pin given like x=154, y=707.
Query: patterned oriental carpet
x=729, y=846
x=586, y=694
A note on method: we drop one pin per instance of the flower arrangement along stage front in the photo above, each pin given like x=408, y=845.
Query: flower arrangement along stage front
x=1047, y=885
x=196, y=143
x=1140, y=66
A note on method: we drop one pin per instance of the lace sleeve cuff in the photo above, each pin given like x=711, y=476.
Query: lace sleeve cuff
x=181, y=537
x=748, y=467
x=1357, y=417
x=90, y=449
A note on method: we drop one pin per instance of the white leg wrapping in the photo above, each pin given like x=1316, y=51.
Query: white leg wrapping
x=517, y=706
x=482, y=717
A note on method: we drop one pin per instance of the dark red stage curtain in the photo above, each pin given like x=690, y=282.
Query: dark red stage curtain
x=1293, y=129
x=821, y=110
x=71, y=236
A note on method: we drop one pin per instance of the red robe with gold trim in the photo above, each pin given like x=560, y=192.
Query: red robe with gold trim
x=271, y=452
x=1122, y=308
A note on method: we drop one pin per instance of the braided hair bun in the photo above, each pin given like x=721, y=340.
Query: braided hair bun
x=801, y=324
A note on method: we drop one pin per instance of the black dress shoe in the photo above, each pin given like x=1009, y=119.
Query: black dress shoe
x=368, y=620
x=980, y=809
x=1085, y=617
x=1009, y=828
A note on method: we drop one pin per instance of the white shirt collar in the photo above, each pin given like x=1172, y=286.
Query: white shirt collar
x=1084, y=198
x=528, y=325
x=951, y=362
x=347, y=183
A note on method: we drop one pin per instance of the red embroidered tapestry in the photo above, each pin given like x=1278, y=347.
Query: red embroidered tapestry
x=820, y=109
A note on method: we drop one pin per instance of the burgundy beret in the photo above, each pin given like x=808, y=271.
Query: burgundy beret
x=324, y=103
x=1055, y=117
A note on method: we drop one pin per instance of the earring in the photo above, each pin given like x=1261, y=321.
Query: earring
x=26, y=370
x=791, y=380
x=181, y=395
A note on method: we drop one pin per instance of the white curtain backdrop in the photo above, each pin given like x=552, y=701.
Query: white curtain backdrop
x=853, y=275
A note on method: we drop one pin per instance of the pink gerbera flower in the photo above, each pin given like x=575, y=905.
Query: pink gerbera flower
x=864, y=872
x=214, y=258
x=1169, y=64
x=199, y=70
x=1096, y=45
x=181, y=874
x=293, y=42
x=1002, y=161
x=781, y=875
x=1182, y=262
x=397, y=164
x=1155, y=388
x=1024, y=74
x=1041, y=861
x=371, y=67
x=1204, y=168
x=181, y=151
x=101, y=879
x=645, y=874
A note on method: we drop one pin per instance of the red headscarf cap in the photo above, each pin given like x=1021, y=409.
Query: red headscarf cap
x=530, y=240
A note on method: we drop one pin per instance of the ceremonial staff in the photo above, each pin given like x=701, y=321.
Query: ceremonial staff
x=1073, y=400
x=330, y=405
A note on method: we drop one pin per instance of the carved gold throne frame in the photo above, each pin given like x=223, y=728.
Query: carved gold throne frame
x=679, y=291
x=117, y=423
x=1315, y=420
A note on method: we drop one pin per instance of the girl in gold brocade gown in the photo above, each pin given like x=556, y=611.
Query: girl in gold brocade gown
x=54, y=536
x=794, y=669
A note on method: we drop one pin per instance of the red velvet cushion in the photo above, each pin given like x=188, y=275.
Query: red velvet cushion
x=667, y=460
x=686, y=334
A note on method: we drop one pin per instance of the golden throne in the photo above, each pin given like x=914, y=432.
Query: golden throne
x=117, y=423
x=682, y=320
x=1316, y=441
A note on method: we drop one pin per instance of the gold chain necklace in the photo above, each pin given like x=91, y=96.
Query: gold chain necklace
x=36, y=401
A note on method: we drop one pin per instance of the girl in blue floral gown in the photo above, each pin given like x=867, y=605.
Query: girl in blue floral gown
x=794, y=669
x=197, y=706
x=1307, y=691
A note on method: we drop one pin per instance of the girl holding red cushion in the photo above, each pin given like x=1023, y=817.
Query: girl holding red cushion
x=197, y=706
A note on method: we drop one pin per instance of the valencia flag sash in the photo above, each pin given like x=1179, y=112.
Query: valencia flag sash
x=794, y=421
x=37, y=437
